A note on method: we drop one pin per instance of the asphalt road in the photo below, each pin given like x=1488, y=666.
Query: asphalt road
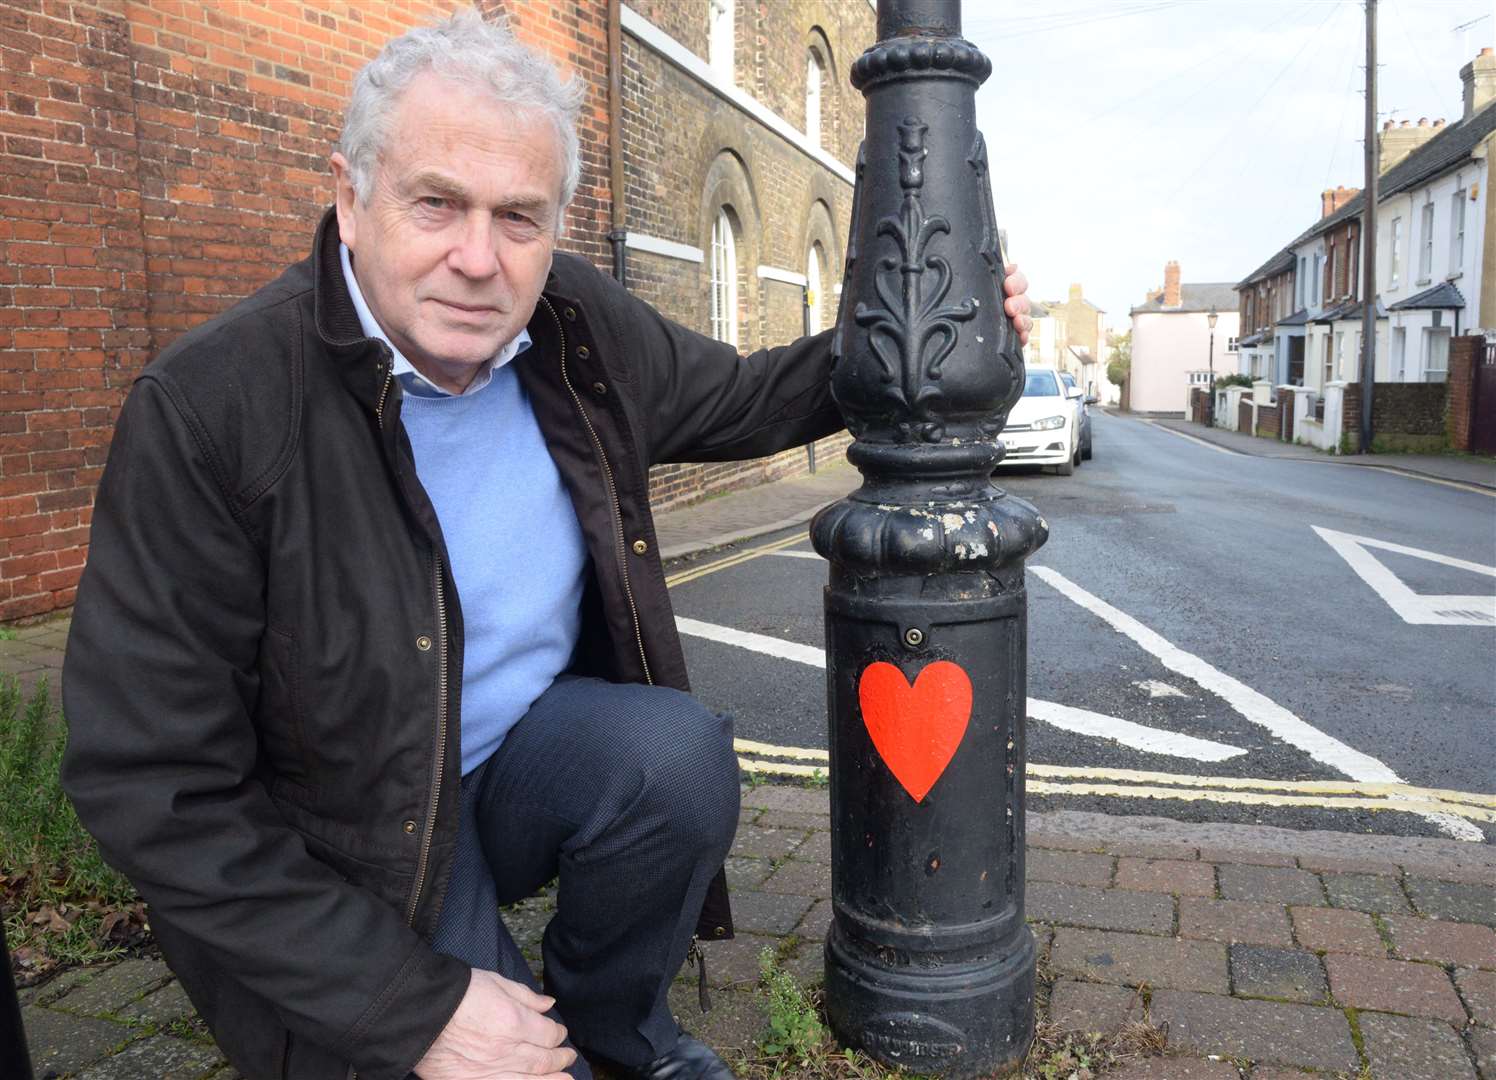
x=1185, y=591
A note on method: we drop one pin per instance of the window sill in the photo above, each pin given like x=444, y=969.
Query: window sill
x=1423, y=281
x=1455, y=276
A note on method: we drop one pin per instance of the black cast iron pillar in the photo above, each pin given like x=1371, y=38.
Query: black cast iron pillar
x=928, y=962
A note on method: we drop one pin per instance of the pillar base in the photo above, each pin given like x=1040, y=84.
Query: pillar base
x=958, y=1021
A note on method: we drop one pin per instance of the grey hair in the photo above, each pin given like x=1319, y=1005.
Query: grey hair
x=467, y=48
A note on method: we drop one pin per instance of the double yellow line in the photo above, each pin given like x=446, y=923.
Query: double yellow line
x=801, y=762
x=732, y=560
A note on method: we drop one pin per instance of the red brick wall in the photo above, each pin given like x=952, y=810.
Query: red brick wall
x=1285, y=413
x=158, y=162
x=1465, y=353
x=1267, y=421
x=72, y=283
x=1350, y=418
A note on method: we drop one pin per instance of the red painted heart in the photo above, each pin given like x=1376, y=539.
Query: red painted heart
x=916, y=729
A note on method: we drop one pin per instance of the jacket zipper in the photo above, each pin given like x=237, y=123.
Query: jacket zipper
x=441, y=739
x=388, y=368
x=424, y=860
x=602, y=457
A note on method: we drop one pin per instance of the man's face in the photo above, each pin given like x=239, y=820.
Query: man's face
x=454, y=243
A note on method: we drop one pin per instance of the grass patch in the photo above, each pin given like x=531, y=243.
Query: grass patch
x=798, y=1043
x=63, y=904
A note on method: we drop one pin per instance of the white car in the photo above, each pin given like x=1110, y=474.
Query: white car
x=1041, y=429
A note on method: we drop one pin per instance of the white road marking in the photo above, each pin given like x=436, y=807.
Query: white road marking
x=1419, y=609
x=1137, y=736
x=799, y=555
x=759, y=643
x=1157, y=688
x=1080, y=721
x=1254, y=706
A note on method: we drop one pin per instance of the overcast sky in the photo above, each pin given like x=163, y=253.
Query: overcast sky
x=1124, y=133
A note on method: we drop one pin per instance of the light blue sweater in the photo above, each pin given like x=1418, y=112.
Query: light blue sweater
x=517, y=552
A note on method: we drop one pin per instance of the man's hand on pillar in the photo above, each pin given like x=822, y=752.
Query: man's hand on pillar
x=1016, y=303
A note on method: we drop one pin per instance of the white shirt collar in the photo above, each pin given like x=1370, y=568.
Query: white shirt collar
x=403, y=368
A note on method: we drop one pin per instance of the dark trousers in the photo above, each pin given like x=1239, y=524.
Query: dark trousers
x=628, y=795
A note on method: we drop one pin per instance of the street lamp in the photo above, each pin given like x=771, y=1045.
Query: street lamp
x=1211, y=320
x=929, y=964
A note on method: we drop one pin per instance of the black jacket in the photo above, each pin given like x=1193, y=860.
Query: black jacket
x=263, y=676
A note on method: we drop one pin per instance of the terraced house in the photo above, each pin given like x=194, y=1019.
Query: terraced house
x=1302, y=309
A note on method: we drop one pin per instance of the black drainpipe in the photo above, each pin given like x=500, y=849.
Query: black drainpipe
x=618, y=234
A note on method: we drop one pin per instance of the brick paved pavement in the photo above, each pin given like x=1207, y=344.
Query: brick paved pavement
x=1253, y=988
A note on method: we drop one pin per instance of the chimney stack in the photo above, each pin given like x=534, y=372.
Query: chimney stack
x=1479, y=77
x=1398, y=140
x=1331, y=200
x=1171, y=284
x=1075, y=293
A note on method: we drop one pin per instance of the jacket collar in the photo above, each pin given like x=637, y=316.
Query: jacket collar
x=333, y=311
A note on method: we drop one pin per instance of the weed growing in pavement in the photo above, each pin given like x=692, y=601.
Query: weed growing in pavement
x=62, y=902
x=1070, y=1055
x=795, y=1033
x=7, y=633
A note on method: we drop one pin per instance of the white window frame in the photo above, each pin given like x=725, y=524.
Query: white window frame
x=1298, y=282
x=1426, y=245
x=1457, y=233
x=813, y=288
x=1315, y=280
x=1399, y=354
x=720, y=42
x=1394, y=253
x=1231, y=344
x=814, y=79
x=724, y=280
x=1431, y=373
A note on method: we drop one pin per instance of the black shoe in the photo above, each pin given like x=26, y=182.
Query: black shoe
x=688, y=1059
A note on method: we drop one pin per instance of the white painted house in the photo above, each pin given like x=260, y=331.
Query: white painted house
x=1171, y=342
x=1432, y=219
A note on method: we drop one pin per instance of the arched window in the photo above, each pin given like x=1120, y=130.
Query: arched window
x=724, y=280
x=813, y=288
x=719, y=39
x=813, y=97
